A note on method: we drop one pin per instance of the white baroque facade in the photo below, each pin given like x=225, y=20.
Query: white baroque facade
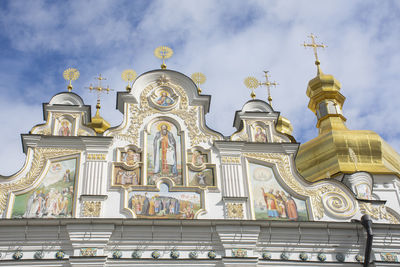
x=162, y=189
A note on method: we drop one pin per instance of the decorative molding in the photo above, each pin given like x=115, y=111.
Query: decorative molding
x=89, y=252
x=230, y=160
x=91, y=208
x=40, y=157
x=239, y=253
x=378, y=212
x=90, y=157
x=234, y=210
x=190, y=116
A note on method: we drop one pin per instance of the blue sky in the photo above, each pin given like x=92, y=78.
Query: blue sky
x=226, y=40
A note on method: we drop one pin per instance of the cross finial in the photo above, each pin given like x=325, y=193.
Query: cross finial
x=253, y=83
x=268, y=84
x=315, y=46
x=99, y=89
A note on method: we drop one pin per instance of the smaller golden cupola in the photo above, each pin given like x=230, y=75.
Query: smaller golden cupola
x=337, y=150
x=99, y=124
x=285, y=127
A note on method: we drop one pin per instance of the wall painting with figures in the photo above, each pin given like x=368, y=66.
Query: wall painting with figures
x=270, y=200
x=164, y=204
x=54, y=196
x=164, y=154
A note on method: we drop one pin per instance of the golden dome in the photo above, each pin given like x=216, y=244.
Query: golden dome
x=285, y=127
x=99, y=124
x=337, y=149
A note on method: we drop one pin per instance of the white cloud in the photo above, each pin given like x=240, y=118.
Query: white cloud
x=225, y=40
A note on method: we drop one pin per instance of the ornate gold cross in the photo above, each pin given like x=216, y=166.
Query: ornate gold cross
x=315, y=46
x=99, y=89
x=252, y=83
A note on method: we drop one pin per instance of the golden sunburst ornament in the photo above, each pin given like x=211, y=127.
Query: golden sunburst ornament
x=70, y=74
x=129, y=76
x=163, y=52
x=251, y=83
x=198, y=78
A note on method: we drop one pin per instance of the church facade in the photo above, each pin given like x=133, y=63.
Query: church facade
x=162, y=189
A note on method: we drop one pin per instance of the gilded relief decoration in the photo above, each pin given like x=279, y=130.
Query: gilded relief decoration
x=91, y=208
x=191, y=115
x=378, y=212
x=40, y=157
x=164, y=153
x=234, y=210
x=127, y=169
x=323, y=196
x=241, y=135
x=166, y=203
x=54, y=196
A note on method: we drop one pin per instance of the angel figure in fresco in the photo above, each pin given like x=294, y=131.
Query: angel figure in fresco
x=201, y=179
x=260, y=136
x=164, y=100
x=64, y=129
x=164, y=151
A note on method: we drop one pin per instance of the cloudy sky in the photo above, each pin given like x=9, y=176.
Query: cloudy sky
x=226, y=40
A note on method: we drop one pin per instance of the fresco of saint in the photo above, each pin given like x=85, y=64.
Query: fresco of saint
x=130, y=157
x=197, y=158
x=271, y=201
x=164, y=153
x=53, y=198
x=260, y=136
x=126, y=177
x=64, y=129
x=165, y=100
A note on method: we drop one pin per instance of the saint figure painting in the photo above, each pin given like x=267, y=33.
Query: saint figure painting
x=270, y=200
x=165, y=100
x=54, y=196
x=164, y=153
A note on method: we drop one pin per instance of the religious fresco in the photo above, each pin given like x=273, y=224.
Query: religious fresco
x=164, y=204
x=197, y=158
x=65, y=128
x=363, y=191
x=125, y=177
x=53, y=198
x=201, y=178
x=164, y=99
x=259, y=135
x=271, y=201
x=164, y=153
x=130, y=157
